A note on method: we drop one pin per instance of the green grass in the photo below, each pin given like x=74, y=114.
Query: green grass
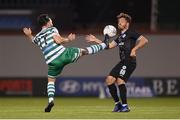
x=90, y=108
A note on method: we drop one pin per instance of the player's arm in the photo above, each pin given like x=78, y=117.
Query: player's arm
x=28, y=33
x=60, y=40
x=141, y=42
x=92, y=38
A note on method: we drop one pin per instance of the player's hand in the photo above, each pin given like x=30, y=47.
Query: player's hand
x=27, y=31
x=71, y=36
x=133, y=53
x=92, y=38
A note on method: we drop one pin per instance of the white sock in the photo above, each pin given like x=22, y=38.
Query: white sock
x=96, y=48
x=124, y=105
x=51, y=91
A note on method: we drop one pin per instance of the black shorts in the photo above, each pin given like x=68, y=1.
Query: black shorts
x=123, y=70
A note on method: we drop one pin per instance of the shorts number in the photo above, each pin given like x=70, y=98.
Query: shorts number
x=122, y=71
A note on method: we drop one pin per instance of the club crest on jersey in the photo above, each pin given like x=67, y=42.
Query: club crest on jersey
x=121, y=43
x=123, y=35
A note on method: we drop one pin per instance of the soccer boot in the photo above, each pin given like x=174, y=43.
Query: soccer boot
x=124, y=109
x=117, y=107
x=49, y=107
x=106, y=41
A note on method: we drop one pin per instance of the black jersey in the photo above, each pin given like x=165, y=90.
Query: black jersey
x=126, y=42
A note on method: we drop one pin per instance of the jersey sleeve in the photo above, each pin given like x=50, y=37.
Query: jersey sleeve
x=135, y=36
x=55, y=31
x=34, y=40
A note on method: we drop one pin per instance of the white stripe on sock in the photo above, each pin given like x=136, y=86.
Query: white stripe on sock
x=89, y=50
x=103, y=45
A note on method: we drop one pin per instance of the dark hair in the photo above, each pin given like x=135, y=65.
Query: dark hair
x=43, y=19
x=126, y=16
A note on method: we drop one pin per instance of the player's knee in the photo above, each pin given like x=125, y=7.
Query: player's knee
x=110, y=80
x=51, y=79
x=84, y=52
x=120, y=81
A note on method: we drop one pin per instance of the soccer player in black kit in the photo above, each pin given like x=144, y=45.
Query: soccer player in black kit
x=129, y=42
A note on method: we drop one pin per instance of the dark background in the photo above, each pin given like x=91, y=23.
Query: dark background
x=82, y=15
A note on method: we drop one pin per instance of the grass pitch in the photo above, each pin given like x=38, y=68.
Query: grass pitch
x=88, y=108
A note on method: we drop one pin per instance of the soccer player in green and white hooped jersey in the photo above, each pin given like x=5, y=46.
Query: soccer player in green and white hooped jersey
x=56, y=55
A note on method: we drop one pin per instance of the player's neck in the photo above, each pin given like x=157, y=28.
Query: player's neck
x=45, y=27
x=124, y=30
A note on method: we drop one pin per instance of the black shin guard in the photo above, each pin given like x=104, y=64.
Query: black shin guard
x=123, y=92
x=113, y=91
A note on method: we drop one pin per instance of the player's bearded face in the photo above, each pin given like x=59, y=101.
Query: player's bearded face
x=122, y=23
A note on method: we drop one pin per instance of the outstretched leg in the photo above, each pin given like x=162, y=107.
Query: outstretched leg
x=93, y=49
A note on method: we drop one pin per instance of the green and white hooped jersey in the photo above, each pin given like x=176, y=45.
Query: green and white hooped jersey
x=44, y=39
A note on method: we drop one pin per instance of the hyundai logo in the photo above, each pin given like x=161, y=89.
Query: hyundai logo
x=69, y=86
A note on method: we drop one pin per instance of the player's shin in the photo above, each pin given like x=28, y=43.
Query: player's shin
x=113, y=92
x=93, y=49
x=123, y=93
x=51, y=91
